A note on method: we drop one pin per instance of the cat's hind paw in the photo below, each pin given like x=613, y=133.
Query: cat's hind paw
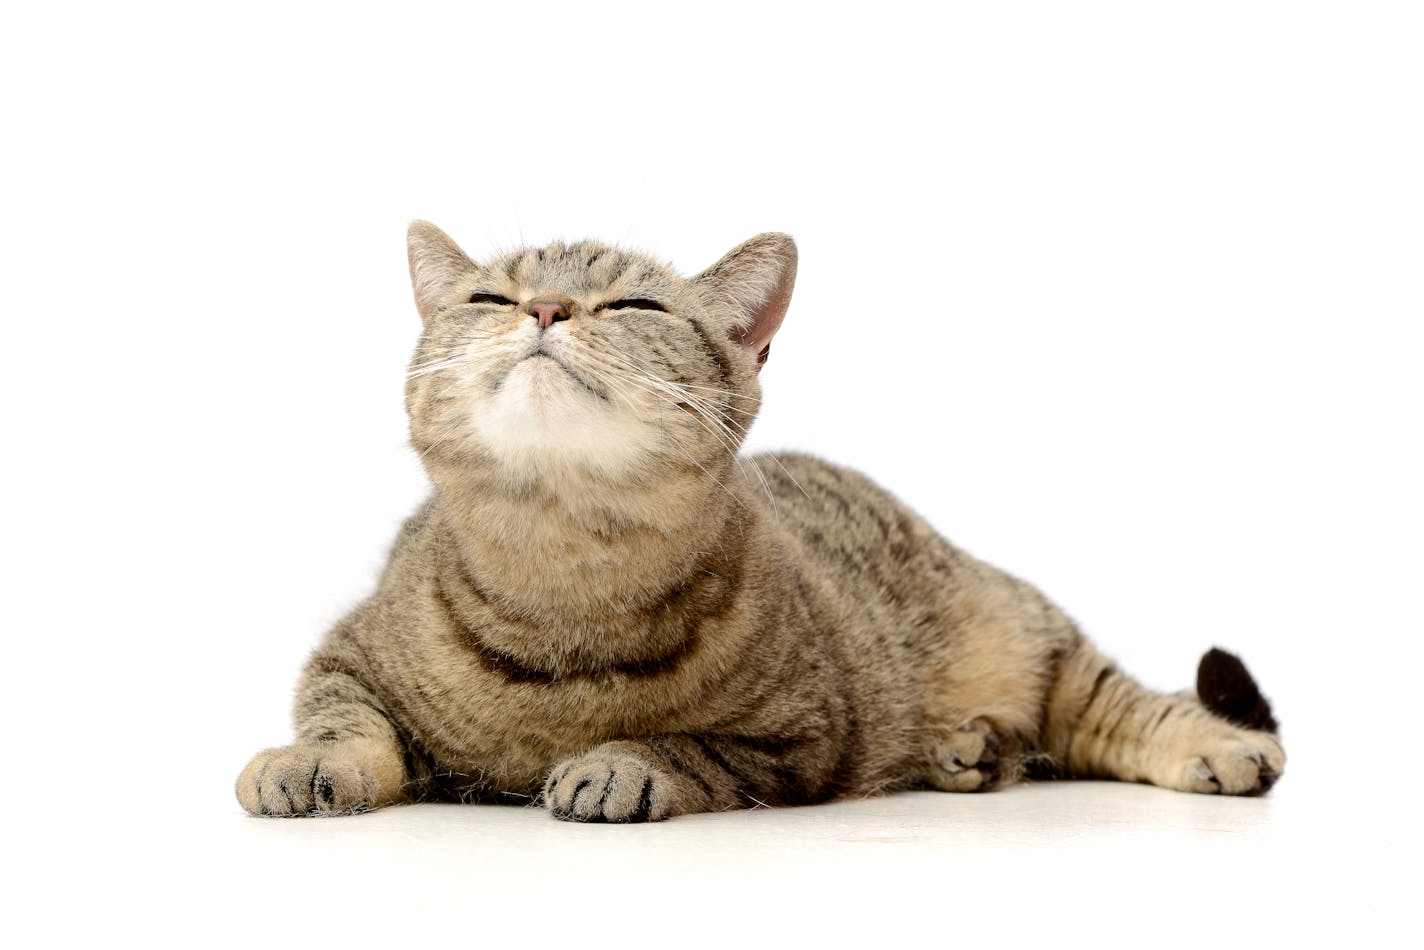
x=1238, y=766
x=609, y=784
x=306, y=780
x=972, y=758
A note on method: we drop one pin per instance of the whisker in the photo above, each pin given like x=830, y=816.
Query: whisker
x=445, y=435
x=659, y=387
x=437, y=366
x=772, y=456
x=706, y=415
x=700, y=406
x=725, y=422
x=731, y=494
x=686, y=387
x=698, y=412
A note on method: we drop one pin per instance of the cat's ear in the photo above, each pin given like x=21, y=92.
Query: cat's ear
x=436, y=265
x=756, y=278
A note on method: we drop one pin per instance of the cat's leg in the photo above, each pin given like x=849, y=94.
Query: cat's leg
x=1101, y=723
x=664, y=776
x=347, y=757
x=985, y=684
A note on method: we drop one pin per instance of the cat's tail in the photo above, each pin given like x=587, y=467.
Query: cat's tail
x=1101, y=723
x=1227, y=689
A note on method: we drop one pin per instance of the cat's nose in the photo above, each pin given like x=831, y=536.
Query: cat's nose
x=549, y=310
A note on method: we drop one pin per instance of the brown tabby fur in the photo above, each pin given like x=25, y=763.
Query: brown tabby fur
x=605, y=608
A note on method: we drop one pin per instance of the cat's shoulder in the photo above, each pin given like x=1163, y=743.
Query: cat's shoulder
x=811, y=475
x=826, y=495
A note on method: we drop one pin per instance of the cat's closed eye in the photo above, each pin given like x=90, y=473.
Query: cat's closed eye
x=492, y=299
x=633, y=303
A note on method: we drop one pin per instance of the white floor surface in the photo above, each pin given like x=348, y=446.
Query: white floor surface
x=1081, y=863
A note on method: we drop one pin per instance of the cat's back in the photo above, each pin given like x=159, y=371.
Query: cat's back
x=869, y=543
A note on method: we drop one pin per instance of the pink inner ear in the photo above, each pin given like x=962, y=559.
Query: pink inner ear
x=746, y=338
x=765, y=322
x=756, y=278
x=436, y=266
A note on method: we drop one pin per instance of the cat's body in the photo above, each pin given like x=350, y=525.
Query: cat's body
x=604, y=606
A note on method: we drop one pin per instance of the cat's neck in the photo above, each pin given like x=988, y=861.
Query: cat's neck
x=605, y=571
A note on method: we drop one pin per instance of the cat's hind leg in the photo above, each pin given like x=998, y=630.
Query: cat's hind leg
x=990, y=669
x=1100, y=723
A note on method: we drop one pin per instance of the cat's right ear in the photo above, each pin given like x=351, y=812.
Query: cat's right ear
x=436, y=265
x=756, y=278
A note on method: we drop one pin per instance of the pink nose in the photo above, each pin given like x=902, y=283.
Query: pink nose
x=549, y=310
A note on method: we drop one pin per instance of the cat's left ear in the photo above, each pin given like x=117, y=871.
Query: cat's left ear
x=756, y=278
x=436, y=265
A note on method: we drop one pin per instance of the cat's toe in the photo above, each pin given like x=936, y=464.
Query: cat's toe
x=304, y=780
x=609, y=785
x=969, y=759
x=1237, y=766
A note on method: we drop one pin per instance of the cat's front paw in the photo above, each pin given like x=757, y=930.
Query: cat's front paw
x=609, y=784
x=306, y=780
x=1245, y=765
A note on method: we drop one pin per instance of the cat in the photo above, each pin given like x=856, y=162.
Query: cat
x=605, y=609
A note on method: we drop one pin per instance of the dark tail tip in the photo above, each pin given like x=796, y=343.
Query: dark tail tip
x=1224, y=687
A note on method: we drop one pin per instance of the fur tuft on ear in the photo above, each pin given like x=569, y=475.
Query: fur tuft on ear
x=756, y=278
x=436, y=266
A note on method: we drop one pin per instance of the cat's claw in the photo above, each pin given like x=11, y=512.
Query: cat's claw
x=1248, y=766
x=609, y=785
x=305, y=780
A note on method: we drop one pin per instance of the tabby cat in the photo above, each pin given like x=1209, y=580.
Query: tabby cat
x=606, y=609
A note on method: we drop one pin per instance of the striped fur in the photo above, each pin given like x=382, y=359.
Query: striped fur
x=605, y=608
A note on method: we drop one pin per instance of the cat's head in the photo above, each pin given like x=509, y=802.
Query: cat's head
x=585, y=358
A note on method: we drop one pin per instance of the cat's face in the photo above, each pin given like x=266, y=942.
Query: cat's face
x=588, y=359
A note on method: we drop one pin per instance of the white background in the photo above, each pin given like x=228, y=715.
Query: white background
x=1123, y=297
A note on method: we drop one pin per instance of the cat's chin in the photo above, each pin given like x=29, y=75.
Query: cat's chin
x=542, y=415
